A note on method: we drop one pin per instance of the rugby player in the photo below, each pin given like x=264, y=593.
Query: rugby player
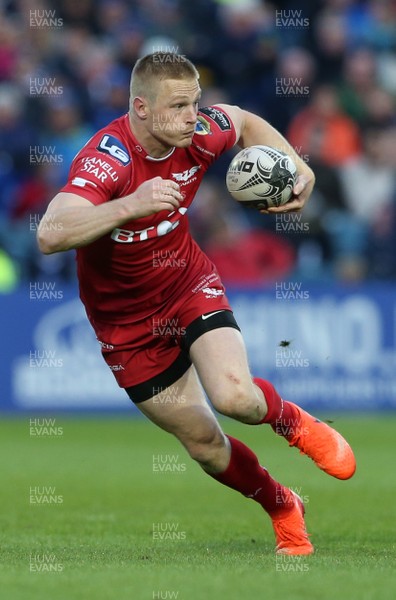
x=124, y=209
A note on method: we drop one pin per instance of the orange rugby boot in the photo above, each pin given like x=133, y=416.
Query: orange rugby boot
x=324, y=445
x=290, y=532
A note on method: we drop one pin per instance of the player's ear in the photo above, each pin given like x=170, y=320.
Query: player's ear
x=140, y=106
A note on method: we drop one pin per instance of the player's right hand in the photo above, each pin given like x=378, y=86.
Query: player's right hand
x=155, y=195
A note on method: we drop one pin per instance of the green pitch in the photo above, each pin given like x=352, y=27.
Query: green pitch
x=114, y=509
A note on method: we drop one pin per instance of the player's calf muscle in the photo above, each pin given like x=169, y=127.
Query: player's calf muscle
x=240, y=402
x=210, y=449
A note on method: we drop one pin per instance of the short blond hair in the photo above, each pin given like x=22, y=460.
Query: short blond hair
x=157, y=67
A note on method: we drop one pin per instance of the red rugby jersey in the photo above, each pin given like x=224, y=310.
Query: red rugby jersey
x=125, y=274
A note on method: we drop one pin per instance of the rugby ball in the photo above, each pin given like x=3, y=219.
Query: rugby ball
x=261, y=177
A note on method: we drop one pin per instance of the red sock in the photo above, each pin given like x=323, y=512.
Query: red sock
x=282, y=416
x=246, y=475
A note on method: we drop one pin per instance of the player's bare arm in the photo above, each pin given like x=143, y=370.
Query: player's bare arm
x=251, y=130
x=80, y=222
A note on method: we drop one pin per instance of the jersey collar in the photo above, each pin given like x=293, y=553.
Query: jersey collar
x=141, y=151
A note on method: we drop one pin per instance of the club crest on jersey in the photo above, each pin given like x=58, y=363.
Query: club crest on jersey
x=202, y=126
x=113, y=147
x=212, y=292
x=186, y=175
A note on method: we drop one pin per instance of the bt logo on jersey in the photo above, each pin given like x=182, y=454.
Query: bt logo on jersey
x=126, y=236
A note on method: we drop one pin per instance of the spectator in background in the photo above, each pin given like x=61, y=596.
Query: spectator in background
x=65, y=133
x=377, y=24
x=241, y=50
x=16, y=137
x=382, y=244
x=382, y=239
x=359, y=75
x=9, y=40
x=368, y=183
x=288, y=90
x=368, y=179
x=324, y=129
x=32, y=193
x=244, y=50
x=331, y=40
x=113, y=98
x=115, y=17
x=79, y=14
x=380, y=108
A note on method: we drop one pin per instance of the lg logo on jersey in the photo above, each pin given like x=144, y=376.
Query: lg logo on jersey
x=110, y=145
x=125, y=236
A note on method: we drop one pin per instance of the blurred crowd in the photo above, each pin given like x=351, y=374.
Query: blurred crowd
x=323, y=72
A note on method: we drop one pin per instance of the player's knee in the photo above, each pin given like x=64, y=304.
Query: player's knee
x=240, y=402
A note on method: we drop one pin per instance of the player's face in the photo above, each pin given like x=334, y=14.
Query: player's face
x=173, y=114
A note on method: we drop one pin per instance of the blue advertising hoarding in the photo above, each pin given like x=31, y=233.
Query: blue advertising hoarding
x=322, y=347
x=53, y=360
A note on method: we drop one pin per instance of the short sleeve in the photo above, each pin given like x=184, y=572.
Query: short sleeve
x=214, y=132
x=101, y=170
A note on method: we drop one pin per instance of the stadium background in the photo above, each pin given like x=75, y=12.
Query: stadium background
x=324, y=74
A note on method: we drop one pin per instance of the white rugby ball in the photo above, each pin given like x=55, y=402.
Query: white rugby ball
x=261, y=176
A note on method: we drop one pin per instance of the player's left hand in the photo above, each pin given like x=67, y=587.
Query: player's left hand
x=301, y=192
